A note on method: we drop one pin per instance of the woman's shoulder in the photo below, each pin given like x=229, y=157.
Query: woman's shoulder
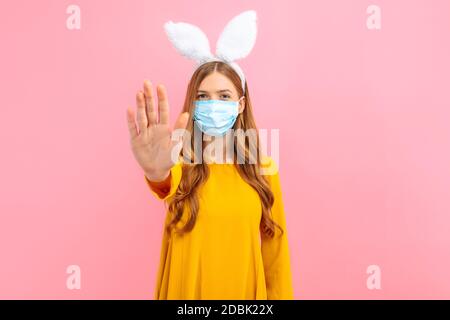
x=268, y=165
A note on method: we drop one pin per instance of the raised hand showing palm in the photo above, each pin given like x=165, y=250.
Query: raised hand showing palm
x=152, y=145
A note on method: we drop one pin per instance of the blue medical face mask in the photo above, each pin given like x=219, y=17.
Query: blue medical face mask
x=215, y=117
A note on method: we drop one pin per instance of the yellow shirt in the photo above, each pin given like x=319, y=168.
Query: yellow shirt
x=224, y=256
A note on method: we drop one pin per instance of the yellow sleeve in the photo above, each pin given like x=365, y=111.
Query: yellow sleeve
x=175, y=178
x=275, y=251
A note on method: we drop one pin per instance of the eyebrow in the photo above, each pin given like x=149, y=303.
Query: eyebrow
x=216, y=91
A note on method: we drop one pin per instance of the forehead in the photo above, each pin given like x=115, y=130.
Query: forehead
x=216, y=82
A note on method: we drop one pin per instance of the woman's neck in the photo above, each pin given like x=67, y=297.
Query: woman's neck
x=215, y=149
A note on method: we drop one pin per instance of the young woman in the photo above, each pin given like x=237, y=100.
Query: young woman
x=225, y=234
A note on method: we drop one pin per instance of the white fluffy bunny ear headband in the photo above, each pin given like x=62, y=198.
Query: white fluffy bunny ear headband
x=235, y=42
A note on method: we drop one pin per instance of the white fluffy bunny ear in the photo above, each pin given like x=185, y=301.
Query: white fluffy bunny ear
x=189, y=40
x=238, y=37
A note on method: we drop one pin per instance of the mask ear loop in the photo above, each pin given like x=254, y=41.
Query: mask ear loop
x=241, y=118
x=239, y=102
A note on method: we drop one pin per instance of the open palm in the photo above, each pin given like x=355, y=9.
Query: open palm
x=151, y=140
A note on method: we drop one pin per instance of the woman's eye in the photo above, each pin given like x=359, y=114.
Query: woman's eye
x=224, y=96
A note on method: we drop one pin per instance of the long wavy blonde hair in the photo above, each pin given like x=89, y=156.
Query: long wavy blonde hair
x=194, y=175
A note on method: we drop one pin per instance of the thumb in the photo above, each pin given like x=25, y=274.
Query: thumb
x=177, y=135
x=182, y=120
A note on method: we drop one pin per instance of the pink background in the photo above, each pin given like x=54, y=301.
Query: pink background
x=364, y=127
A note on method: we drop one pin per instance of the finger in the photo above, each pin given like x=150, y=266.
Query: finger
x=141, y=115
x=177, y=143
x=131, y=123
x=150, y=107
x=163, y=104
